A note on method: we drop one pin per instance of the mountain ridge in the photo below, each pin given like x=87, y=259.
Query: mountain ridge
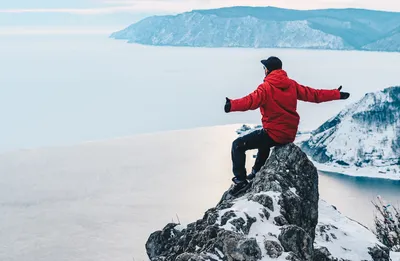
x=364, y=135
x=268, y=27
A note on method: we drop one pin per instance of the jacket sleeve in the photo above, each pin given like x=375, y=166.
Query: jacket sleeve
x=308, y=94
x=250, y=102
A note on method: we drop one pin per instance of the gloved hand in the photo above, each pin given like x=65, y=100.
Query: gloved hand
x=343, y=95
x=227, y=105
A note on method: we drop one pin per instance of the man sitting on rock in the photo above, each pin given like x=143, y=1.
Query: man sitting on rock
x=277, y=99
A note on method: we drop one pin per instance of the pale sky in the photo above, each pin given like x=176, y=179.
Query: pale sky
x=90, y=7
x=24, y=16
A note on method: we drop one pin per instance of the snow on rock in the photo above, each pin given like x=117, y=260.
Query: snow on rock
x=362, y=140
x=344, y=238
x=395, y=256
x=276, y=219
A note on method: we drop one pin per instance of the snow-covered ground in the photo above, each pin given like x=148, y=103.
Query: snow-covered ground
x=345, y=238
x=258, y=230
x=395, y=256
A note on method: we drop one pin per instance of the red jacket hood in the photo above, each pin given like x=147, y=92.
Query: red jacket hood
x=278, y=79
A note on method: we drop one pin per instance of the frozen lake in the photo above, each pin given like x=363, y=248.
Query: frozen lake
x=65, y=89
x=101, y=200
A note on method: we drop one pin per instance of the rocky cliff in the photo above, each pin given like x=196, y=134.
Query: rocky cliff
x=366, y=135
x=276, y=219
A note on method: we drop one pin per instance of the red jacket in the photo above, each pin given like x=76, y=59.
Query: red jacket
x=277, y=99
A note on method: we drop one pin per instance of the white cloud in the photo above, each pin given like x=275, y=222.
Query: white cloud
x=72, y=10
x=17, y=30
x=179, y=5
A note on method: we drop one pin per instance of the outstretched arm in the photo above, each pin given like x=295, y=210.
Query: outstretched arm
x=250, y=102
x=305, y=93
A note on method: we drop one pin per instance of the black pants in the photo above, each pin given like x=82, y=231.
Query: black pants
x=258, y=139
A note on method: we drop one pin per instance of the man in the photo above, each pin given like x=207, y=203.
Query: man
x=277, y=99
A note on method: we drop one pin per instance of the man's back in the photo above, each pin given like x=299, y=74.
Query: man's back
x=277, y=99
x=279, y=111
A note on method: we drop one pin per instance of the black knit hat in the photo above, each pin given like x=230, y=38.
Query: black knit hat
x=272, y=63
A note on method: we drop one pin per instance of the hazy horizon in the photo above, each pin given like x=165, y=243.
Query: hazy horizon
x=117, y=13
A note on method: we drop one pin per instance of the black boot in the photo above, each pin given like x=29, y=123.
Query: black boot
x=239, y=187
x=252, y=175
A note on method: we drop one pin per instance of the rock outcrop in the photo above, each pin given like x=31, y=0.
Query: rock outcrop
x=276, y=219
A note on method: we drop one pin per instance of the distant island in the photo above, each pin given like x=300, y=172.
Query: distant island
x=270, y=27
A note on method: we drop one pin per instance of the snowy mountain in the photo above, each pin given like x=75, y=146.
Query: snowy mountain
x=388, y=43
x=279, y=217
x=364, y=138
x=262, y=27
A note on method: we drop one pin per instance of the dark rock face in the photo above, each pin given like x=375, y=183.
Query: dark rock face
x=327, y=232
x=210, y=244
x=264, y=200
x=244, y=250
x=322, y=254
x=274, y=249
x=295, y=239
x=379, y=253
x=298, y=182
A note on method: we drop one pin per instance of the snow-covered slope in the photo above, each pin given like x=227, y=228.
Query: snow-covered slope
x=389, y=43
x=363, y=139
x=395, y=256
x=268, y=27
x=345, y=238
